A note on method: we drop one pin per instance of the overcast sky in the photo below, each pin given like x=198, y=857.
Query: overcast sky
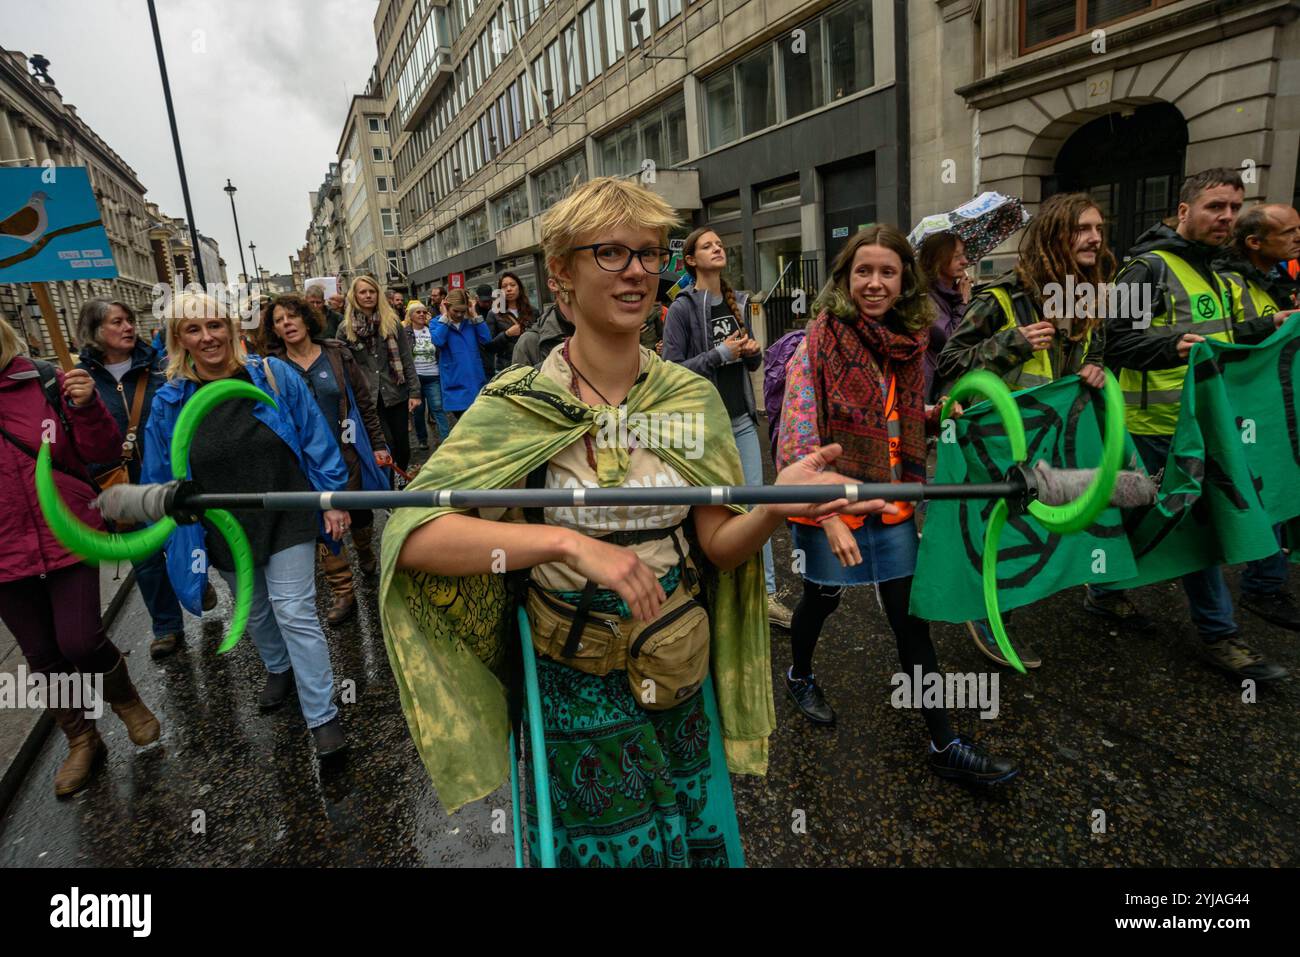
x=261, y=93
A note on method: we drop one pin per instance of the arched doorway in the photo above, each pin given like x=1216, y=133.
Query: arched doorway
x=1131, y=164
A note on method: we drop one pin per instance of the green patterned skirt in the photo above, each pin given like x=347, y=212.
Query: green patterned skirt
x=630, y=787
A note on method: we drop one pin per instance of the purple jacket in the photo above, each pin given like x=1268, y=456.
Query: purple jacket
x=949, y=309
x=775, y=360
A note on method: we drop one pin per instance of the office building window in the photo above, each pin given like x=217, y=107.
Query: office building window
x=555, y=181
x=779, y=194
x=720, y=100
x=382, y=184
x=387, y=221
x=572, y=58
x=1043, y=22
x=475, y=226
x=511, y=207
x=639, y=31
x=803, y=67
x=849, y=32
x=373, y=123
x=614, y=23
x=590, y=19
x=667, y=9
x=722, y=207
x=555, y=77
x=658, y=136
x=377, y=154
x=449, y=241
x=754, y=78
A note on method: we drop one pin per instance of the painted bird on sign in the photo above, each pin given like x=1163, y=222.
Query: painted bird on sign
x=28, y=223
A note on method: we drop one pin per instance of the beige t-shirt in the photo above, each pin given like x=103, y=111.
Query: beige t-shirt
x=570, y=469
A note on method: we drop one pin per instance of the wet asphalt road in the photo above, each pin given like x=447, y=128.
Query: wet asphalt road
x=1136, y=727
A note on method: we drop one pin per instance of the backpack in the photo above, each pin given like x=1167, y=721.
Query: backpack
x=775, y=360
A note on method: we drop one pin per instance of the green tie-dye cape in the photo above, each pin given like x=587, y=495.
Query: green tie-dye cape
x=447, y=637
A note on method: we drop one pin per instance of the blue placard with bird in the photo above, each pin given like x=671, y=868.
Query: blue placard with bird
x=50, y=227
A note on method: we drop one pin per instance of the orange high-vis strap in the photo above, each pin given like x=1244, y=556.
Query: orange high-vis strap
x=1293, y=269
x=894, y=424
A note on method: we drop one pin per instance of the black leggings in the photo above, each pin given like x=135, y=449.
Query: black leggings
x=396, y=422
x=911, y=633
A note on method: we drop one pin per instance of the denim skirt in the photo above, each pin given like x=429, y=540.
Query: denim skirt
x=888, y=552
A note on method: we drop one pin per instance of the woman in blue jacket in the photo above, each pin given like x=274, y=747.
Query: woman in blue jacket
x=705, y=331
x=457, y=335
x=246, y=446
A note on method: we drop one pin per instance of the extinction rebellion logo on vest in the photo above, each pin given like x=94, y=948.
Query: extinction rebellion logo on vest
x=77, y=910
x=1205, y=307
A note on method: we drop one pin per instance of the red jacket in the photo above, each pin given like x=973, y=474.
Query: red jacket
x=27, y=547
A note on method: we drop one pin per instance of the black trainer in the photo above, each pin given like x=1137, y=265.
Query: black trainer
x=1118, y=611
x=1279, y=608
x=277, y=690
x=809, y=699
x=329, y=738
x=963, y=760
x=1234, y=656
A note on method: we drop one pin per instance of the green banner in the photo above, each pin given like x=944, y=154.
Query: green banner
x=1233, y=472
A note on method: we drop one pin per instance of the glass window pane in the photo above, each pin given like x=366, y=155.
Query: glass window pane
x=849, y=35
x=1103, y=11
x=614, y=43
x=723, y=207
x=640, y=31
x=556, y=76
x=778, y=194
x=1047, y=19
x=675, y=133
x=572, y=58
x=591, y=49
x=803, y=71
x=720, y=99
x=758, y=104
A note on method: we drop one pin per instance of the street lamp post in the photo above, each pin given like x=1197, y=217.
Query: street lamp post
x=256, y=268
x=230, y=191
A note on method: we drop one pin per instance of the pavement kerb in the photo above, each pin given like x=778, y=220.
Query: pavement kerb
x=13, y=775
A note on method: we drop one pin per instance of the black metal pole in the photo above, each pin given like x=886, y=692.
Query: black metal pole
x=592, y=497
x=176, y=142
x=230, y=191
x=256, y=268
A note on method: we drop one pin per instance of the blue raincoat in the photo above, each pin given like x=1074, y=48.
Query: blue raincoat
x=297, y=421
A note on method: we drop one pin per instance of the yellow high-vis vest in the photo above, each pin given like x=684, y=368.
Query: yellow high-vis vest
x=1037, y=369
x=1249, y=299
x=1152, y=398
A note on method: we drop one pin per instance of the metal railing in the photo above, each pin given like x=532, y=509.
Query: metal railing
x=787, y=305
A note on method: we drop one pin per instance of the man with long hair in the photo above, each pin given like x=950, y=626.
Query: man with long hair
x=1149, y=353
x=1029, y=327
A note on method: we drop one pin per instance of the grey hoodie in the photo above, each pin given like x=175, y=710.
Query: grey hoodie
x=536, y=342
x=689, y=342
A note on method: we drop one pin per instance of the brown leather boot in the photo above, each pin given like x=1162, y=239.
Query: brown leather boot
x=338, y=573
x=86, y=751
x=361, y=538
x=141, y=726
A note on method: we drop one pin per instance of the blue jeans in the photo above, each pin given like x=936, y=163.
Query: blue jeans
x=1208, y=600
x=156, y=590
x=286, y=631
x=431, y=390
x=751, y=463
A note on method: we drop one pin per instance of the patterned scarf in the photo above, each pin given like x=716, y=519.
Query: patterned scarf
x=852, y=360
x=365, y=327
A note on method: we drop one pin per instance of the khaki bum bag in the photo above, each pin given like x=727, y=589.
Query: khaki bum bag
x=666, y=659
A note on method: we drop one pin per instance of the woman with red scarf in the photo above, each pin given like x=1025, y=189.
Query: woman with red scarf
x=858, y=379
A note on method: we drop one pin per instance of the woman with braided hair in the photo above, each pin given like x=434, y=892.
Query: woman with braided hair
x=858, y=380
x=705, y=330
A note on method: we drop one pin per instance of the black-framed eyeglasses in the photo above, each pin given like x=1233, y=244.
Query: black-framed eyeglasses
x=615, y=257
